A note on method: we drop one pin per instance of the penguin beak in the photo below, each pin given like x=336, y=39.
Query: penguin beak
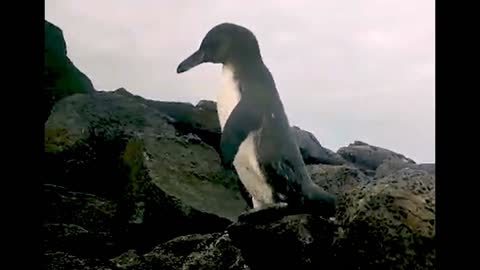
x=193, y=60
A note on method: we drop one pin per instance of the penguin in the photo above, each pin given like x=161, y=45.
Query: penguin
x=256, y=137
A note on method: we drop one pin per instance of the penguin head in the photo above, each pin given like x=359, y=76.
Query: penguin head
x=225, y=43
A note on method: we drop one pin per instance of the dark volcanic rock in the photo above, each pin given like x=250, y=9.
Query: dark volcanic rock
x=87, y=225
x=209, y=251
x=312, y=151
x=88, y=213
x=368, y=157
x=391, y=166
x=428, y=167
x=133, y=140
x=63, y=261
x=388, y=224
x=77, y=241
x=61, y=77
x=128, y=260
x=207, y=105
x=299, y=241
x=201, y=120
x=128, y=153
x=337, y=180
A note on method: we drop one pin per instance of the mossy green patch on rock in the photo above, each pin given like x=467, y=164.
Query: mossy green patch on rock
x=57, y=140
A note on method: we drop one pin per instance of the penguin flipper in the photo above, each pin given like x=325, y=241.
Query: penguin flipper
x=239, y=124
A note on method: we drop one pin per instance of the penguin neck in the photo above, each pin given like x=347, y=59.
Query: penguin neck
x=246, y=66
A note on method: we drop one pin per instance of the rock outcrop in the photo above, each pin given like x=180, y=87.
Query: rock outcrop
x=391, y=166
x=295, y=241
x=337, y=179
x=197, y=251
x=312, y=151
x=111, y=146
x=388, y=223
x=368, y=157
x=200, y=120
x=132, y=183
x=61, y=77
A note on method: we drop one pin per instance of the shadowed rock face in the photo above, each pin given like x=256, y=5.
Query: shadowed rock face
x=61, y=77
x=61, y=260
x=74, y=221
x=132, y=183
x=296, y=241
x=207, y=251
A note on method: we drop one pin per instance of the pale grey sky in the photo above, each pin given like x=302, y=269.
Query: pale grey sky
x=346, y=70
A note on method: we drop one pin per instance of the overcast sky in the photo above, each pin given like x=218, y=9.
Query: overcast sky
x=345, y=70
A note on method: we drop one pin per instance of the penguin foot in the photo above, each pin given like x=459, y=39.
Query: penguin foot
x=266, y=213
x=270, y=207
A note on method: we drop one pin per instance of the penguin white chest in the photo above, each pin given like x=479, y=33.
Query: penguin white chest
x=228, y=97
x=249, y=172
x=246, y=161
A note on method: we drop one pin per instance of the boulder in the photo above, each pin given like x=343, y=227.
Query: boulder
x=388, y=223
x=61, y=77
x=297, y=241
x=201, y=120
x=78, y=241
x=312, y=151
x=368, y=157
x=391, y=166
x=72, y=218
x=62, y=260
x=428, y=167
x=189, y=252
x=128, y=153
x=207, y=105
x=131, y=139
x=128, y=260
x=337, y=179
